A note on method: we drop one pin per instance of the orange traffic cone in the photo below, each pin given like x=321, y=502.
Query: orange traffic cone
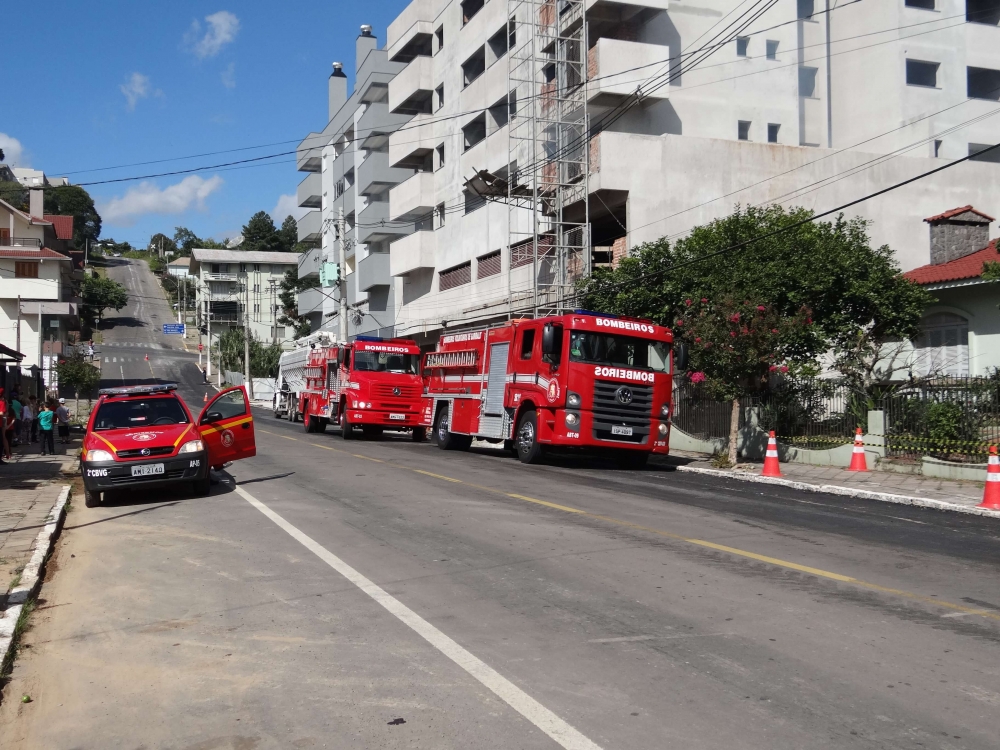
x=147, y=358
x=991, y=495
x=858, y=462
x=771, y=468
x=205, y=400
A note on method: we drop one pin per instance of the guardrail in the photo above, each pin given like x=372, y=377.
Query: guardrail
x=6, y=241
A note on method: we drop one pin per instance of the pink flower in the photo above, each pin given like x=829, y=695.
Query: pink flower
x=680, y=322
x=733, y=334
x=704, y=300
x=774, y=330
x=687, y=302
x=809, y=321
x=697, y=377
x=772, y=368
x=783, y=368
x=761, y=308
x=735, y=317
x=697, y=339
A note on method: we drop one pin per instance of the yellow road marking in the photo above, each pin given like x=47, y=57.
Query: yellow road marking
x=735, y=551
x=324, y=447
x=368, y=458
x=288, y=438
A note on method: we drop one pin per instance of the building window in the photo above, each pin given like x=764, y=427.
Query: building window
x=527, y=343
x=474, y=66
x=470, y=8
x=921, y=73
x=807, y=82
x=475, y=131
x=983, y=11
x=338, y=189
x=25, y=269
x=922, y=4
x=772, y=49
x=456, y=276
x=942, y=348
x=439, y=150
x=772, y=132
x=488, y=265
x=805, y=9
x=473, y=201
x=983, y=83
x=743, y=130
x=439, y=97
x=439, y=214
x=439, y=38
x=277, y=332
x=499, y=44
x=742, y=46
x=990, y=156
x=500, y=114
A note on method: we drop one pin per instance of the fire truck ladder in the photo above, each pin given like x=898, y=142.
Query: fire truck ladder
x=548, y=152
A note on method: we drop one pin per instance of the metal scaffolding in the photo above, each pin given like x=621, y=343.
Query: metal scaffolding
x=548, y=160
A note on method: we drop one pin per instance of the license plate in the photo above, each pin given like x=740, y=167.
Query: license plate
x=147, y=470
x=397, y=416
x=617, y=429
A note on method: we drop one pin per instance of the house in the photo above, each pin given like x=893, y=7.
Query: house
x=179, y=267
x=960, y=332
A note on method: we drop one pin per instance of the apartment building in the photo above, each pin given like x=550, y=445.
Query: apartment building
x=348, y=173
x=809, y=105
x=229, y=281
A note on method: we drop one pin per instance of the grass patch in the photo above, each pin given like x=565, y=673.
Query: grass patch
x=16, y=579
x=721, y=461
x=20, y=628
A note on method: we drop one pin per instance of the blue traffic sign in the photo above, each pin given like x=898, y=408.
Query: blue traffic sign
x=174, y=329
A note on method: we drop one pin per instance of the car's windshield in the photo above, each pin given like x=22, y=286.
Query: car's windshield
x=614, y=349
x=386, y=362
x=139, y=412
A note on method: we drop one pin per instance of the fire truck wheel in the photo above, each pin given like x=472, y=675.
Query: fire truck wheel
x=321, y=424
x=529, y=450
x=308, y=423
x=445, y=438
x=419, y=434
x=346, y=428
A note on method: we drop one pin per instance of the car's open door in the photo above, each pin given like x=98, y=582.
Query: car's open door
x=226, y=426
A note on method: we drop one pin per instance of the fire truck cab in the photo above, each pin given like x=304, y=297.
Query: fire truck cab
x=371, y=383
x=580, y=380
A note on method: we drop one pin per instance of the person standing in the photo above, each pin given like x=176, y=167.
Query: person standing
x=15, y=407
x=36, y=406
x=27, y=421
x=4, y=447
x=62, y=415
x=45, y=419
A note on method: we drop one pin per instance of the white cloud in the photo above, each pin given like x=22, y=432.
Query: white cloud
x=221, y=30
x=287, y=205
x=229, y=76
x=134, y=89
x=13, y=150
x=147, y=198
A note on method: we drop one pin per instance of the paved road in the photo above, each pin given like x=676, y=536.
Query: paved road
x=388, y=594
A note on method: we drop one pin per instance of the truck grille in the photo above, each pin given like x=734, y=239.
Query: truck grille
x=609, y=411
x=165, y=450
x=407, y=391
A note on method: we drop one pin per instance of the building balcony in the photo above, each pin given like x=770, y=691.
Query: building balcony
x=410, y=92
x=345, y=162
x=310, y=191
x=310, y=261
x=373, y=271
x=376, y=124
x=413, y=198
x=376, y=176
x=309, y=301
x=374, y=224
x=411, y=146
x=310, y=227
x=601, y=7
x=345, y=200
x=617, y=68
x=31, y=243
x=309, y=153
x=414, y=252
x=416, y=19
x=220, y=277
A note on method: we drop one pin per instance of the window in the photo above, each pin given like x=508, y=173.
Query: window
x=488, y=265
x=439, y=150
x=806, y=8
x=473, y=201
x=983, y=11
x=26, y=269
x=772, y=132
x=338, y=189
x=942, y=347
x=742, y=45
x=937, y=149
x=226, y=407
x=277, y=332
x=439, y=214
x=499, y=114
x=456, y=276
x=743, y=130
x=921, y=73
x=256, y=267
x=470, y=8
x=4, y=236
x=475, y=131
x=474, y=66
x=983, y=83
x=527, y=343
x=807, y=82
x=439, y=97
x=991, y=156
x=772, y=49
x=922, y=4
x=439, y=38
x=498, y=44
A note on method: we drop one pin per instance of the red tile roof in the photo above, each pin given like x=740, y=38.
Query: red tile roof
x=63, y=226
x=22, y=254
x=956, y=212
x=969, y=267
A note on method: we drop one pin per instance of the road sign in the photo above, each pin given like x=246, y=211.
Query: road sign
x=173, y=329
x=200, y=347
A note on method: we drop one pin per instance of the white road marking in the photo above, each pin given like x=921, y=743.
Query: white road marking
x=524, y=704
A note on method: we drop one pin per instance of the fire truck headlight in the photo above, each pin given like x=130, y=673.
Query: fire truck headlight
x=573, y=399
x=665, y=411
x=354, y=404
x=663, y=428
x=99, y=455
x=572, y=420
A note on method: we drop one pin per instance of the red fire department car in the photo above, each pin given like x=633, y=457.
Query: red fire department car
x=371, y=383
x=580, y=380
x=140, y=437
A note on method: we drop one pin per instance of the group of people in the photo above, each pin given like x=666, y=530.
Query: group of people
x=32, y=421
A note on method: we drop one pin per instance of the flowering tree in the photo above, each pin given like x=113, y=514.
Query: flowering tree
x=735, y=346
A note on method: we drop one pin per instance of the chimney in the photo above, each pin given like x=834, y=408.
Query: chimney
x=365, y=44
x=36, y=203
x=338, y=89
x=957, y=233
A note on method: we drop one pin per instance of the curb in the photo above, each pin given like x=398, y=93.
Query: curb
x=31, y=577
x=833, y=489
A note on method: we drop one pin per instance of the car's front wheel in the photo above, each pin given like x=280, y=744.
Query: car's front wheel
x=91, y=499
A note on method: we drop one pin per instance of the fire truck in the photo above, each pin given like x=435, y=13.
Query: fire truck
x=580, y=380
x=369, y=383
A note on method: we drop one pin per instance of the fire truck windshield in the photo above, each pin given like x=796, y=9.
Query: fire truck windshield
x=614, y=349
x=407, y=364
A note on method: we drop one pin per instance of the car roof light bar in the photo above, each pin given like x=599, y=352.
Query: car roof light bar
x=138, y=390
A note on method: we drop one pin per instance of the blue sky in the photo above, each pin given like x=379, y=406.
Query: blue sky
x=115, y=83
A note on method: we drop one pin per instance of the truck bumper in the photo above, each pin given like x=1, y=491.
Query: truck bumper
x=401, y=420
x=556, y=432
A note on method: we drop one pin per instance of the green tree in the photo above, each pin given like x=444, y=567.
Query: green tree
x=160, y=240
x=73, y=200
x=15, y=194
x=100, y=293
x=289, y=234
x=263, y=357
x=79, y=376
x=185, y=240
x=291, y=285
x=259, y=234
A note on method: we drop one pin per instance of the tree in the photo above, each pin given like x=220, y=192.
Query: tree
x=15, y=194
x=185, y=240
x=289, y=234
x=78, y=375
x=73, y=200
x=291, y=284
x=259, y=234
x=263, y=357
x=100, y=293
x=160, y=240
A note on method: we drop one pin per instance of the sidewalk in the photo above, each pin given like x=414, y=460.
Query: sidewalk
x=888, y=486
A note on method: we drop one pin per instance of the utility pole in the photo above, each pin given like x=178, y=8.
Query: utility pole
x=17, y=346
x=208, y=323
x=246, y=336
x=341, y=280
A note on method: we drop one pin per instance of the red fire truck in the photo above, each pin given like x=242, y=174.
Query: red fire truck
x=370, y=383
x=580, y=380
